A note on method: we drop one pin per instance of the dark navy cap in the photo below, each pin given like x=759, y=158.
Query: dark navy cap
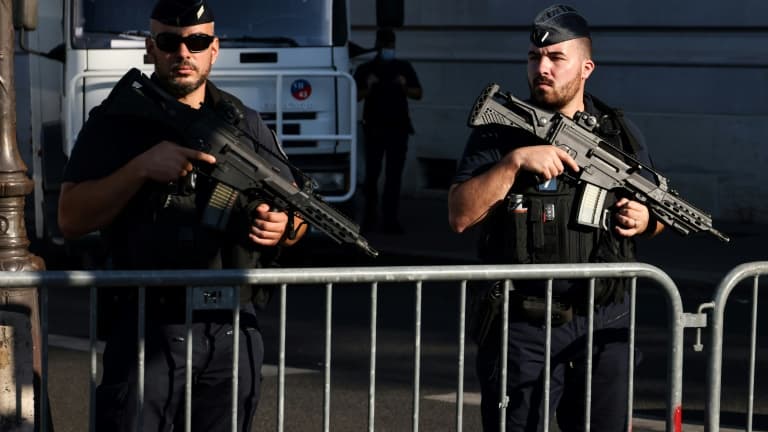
x=182, y=13
x=558, y=23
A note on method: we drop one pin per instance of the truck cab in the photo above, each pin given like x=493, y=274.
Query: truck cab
x=288, y=60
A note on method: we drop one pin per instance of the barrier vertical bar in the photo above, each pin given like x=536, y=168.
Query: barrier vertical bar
x=235, y=355
x=631, y=366
x=547, y=352
x=504, y=354
x=281, y=361
x=417, y=358
x=188, y=362
x=714, y=365
x=142, y=355
x=372, y=370
x=675, y=365
x=752, y=351
x=327, y=365
x=92, y=333
x=44, y=366
x=588, y=355
x=462, y=341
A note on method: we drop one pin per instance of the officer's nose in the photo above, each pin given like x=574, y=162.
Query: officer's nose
x=183, y=50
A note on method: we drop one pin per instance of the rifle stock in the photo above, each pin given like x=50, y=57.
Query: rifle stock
x=598, y=166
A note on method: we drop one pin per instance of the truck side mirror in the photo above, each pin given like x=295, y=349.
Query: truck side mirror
x=389, y=13
x=25, y=14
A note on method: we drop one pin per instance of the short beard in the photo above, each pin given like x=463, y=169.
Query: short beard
x=559, y=97
x=180, y=90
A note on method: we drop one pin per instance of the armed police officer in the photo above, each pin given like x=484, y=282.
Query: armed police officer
x=129, y=177
x=518, y=189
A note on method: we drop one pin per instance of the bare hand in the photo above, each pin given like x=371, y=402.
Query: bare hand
x=267, y=227
x=545, y=161
x=631, y=217
x=167, y=161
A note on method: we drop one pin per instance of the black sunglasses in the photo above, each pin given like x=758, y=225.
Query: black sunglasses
x=170, y=42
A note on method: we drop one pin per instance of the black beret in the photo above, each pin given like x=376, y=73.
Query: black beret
x=182, y=13
x=558, y=23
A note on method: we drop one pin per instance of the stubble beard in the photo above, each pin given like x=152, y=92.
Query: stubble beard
x=555, y=97
x=180, y=89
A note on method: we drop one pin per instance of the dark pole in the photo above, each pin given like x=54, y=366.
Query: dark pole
x=14, y=186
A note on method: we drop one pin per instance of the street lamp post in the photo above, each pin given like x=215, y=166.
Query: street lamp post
x=20, y=336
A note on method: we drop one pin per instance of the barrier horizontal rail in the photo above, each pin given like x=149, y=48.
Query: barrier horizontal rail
x=329, y=275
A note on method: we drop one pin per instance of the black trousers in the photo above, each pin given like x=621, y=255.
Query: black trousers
x=165, y=373
x=388, y=145
x=525, y=373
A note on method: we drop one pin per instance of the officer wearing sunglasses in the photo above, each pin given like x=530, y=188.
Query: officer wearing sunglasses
x=121, y=180
x=171, y=42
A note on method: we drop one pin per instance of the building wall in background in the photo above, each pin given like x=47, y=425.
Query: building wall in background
x=692, y=75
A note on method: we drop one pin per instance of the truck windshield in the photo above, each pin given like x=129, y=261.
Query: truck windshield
x=239, y=23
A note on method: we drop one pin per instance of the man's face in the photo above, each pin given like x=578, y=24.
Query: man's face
x=181, y=70
x=556, y=73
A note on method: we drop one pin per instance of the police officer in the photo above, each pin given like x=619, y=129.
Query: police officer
x=385, y=83
x=516, y=188
x=125, y=178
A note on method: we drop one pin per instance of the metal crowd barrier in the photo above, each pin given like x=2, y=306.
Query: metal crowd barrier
x=715, y=355
x=373, y=276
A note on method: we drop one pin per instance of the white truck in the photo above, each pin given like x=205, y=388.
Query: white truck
x=289, y=60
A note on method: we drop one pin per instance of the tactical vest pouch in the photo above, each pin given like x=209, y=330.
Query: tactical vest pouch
x=548, y=222
x=554, y=235
x=533, y=228
x=504, y=238
x=538, y=227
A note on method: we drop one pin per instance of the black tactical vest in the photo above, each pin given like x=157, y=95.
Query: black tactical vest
x=536, y=224
x=162, y=228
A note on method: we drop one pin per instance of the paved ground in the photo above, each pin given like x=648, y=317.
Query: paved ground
x=349, y=404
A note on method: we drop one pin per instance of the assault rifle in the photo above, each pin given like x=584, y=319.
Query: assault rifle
x=238, y=168
x=600, y=168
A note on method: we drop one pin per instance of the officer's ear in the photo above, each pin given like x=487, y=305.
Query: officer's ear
x=584, y=46
x=587, y=67
x=214, y=50
x=149, y=45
